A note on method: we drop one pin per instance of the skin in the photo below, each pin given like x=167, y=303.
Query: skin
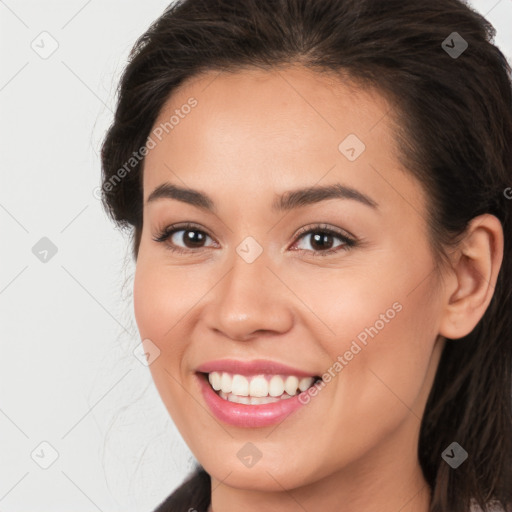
x=252, y=135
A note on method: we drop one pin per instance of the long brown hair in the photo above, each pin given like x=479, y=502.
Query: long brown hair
x=451, y=90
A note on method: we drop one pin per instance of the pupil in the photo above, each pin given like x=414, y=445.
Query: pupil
x=319, y=237
x=193, y=239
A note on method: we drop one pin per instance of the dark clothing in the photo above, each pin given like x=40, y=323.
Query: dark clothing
x=193, y=495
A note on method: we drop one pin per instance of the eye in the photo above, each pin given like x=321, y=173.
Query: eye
x=323, y=240
x=192, y=237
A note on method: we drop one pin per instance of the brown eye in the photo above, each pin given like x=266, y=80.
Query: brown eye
x=322, y=241
x=191, y=238
x=188, y=235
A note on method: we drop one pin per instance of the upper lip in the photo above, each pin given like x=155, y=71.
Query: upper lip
x=253, y=367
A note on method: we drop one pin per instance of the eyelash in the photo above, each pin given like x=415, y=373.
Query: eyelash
x=348, y=242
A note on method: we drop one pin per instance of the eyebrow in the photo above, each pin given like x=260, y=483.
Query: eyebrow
x=285, y=202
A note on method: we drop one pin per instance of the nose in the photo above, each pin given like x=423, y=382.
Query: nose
x=249, y=302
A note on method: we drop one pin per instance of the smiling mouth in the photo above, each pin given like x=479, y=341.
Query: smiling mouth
x=257, y=389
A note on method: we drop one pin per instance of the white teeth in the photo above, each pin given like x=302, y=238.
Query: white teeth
x=238, y=399
x=276, y=386
x=305, y=383
x=291, y=384
x=240, y=385
x=225, y=382
x=257, y=386
x=251, y=400
x=215, y=380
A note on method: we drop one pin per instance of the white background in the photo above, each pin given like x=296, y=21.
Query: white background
x=68, y=375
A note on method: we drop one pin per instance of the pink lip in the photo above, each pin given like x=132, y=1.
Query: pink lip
x=255, y=367
x=242, y=415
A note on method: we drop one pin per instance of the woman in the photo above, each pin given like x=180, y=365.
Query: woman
x=319, y=193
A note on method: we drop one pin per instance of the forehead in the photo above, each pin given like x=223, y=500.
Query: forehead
x=285, y=102
x=275, y=129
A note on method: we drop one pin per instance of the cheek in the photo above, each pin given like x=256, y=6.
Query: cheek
x=158, y=309
x=384, y=337
x=150, y=299
x=162, y=298
x=377, y=325
x=387, y=355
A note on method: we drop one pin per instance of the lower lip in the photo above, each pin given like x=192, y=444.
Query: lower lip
x=242, y=415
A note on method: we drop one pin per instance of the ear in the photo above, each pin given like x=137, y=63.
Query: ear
x=475, y=267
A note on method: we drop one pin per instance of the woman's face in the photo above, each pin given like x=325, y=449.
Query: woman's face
x=255, y=281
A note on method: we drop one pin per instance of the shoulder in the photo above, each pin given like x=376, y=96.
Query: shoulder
x=193, y=495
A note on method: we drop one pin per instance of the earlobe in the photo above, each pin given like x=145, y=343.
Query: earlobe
x=475, y=267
